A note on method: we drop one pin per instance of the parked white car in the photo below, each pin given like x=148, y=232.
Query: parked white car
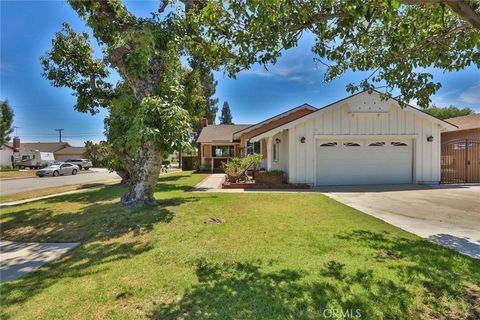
x=58, y=169
x=81, y=163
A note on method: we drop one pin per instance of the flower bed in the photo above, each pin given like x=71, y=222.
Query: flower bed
x=228, y=185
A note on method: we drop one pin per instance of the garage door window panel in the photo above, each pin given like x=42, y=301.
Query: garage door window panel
x=376, y=144
x=328, y=144
x=351, y=144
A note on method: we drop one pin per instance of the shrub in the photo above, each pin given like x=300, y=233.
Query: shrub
x=236, y=169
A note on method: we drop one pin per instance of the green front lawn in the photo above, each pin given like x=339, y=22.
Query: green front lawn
x=230, y=256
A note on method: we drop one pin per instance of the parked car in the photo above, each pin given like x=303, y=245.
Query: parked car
x=81, y=163
x=58, y=169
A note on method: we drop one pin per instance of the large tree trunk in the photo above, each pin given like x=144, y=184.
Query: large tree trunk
x=143, y=177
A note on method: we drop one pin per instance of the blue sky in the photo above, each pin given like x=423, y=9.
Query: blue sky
x=28, y=27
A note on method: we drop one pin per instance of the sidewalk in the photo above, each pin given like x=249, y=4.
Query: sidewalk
x=20, y=258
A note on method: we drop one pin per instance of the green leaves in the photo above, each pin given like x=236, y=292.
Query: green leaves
x=162, y=120
x=70, y=63
x=6, y=122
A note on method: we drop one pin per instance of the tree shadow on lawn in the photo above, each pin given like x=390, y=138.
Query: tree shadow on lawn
x=101, y=228
x=110, y=193
x=431, y=284
x=444, y=274
x=98, y=221
x=246, y=290
x=83, y=261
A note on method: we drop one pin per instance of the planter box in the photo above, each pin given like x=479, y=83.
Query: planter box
x=269, y=178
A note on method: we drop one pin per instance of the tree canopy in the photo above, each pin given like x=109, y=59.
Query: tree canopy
x=6, y=122
x=226, y=115
x=165, y=60
x=448, y=112
x=393, y=43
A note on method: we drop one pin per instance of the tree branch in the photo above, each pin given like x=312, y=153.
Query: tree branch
x=465, y=9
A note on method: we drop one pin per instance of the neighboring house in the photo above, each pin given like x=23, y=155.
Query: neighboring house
x=6, y=154
x=60, y=150
x=357, y=140
x=468, y=128
x=218, y=143
x=70, y=153
x=461, y=151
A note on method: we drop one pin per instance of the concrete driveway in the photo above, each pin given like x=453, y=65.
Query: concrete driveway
x=12, y=186
x=448, y=215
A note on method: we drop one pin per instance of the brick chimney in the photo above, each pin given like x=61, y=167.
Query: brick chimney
x=16, y=143
x=204, y=122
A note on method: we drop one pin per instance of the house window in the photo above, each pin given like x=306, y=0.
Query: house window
x=223, y=151
x=253, y=147
x=275, y=151
x=376, y=144
x=329, y=144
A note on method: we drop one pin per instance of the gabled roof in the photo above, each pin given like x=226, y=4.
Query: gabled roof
x=277, y=117
x=72, y=150
x=466, y=122
x=43, y=146
x=316, y=113
x=219, y=132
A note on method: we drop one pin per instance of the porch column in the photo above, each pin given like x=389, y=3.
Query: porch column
x=269, y=153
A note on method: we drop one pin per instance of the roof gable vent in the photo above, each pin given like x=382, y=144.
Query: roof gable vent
x=369, y=105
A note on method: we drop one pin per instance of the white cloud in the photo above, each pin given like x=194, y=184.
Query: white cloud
x=302, y=72
x=471, y=95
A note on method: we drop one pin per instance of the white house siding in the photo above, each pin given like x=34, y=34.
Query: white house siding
x=338, y=120
x=6, y=156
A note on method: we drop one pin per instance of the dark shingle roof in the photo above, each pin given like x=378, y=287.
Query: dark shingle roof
x=220, y=132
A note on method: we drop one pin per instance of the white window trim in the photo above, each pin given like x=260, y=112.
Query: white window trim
x=275, y=152
x=246, y=144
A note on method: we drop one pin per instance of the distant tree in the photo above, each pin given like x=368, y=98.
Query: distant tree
x=226, y=116
x=199, y=99
x=6, y=122
x=448, y=112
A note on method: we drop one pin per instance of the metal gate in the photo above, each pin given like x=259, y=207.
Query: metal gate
x=460, y=161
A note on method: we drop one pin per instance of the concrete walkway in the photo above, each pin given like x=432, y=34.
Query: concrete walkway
x=20, y=258
x=212, y=183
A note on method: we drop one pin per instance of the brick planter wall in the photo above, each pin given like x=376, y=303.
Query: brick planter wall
x=269, y=178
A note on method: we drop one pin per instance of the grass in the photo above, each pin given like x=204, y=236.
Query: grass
x=17, y=174
x=230, y=256
x=53, y=190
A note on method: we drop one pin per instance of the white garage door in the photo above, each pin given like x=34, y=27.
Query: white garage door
x=364, y=162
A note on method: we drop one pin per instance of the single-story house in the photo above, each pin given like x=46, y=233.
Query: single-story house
x=70, y=153
x=360, y=139
x=468, y=128
x=218, y=143
x=61, y=150
x=6, y=154
x=461, y=151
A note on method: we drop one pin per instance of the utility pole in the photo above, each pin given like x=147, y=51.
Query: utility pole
x=16, y=130
x=59, y=134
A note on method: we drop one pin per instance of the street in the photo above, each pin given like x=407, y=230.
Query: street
x=27, y=184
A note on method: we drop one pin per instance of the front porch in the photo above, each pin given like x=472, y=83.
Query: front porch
x=214, y=156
